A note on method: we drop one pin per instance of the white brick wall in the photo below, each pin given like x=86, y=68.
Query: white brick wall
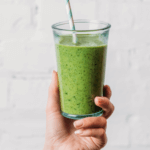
x=27, y=58
x=32, y=56
x=3, y=94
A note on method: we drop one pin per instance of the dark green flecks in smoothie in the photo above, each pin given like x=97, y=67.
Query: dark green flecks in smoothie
x=81, y=70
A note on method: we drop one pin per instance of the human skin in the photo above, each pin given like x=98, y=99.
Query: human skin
x=63, y=133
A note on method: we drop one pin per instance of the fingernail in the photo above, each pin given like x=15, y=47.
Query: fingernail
x=96, y=99
x=78, y=124
x=100, y=100
x=78, y=132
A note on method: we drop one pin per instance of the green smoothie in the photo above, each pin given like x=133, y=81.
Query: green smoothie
x=81, y=72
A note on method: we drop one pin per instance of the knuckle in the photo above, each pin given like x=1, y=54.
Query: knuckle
x=91, y=132
x=102, y=132
x=84, y=122
x=87, y=122
x=104, y=141
x=107, y=102
x=111, y=110
x=104, y=121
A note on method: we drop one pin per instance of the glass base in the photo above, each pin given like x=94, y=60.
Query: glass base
x=76, y=117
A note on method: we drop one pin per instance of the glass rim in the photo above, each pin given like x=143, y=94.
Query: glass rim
x=108, y=26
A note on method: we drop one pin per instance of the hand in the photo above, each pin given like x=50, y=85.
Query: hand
x=60, y=131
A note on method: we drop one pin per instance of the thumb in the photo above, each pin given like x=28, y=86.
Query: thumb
x=53, y=103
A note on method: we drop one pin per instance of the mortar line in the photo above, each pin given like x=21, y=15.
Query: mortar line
x=96, y=9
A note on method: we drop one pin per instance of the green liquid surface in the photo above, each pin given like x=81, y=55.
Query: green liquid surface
x=81, y=72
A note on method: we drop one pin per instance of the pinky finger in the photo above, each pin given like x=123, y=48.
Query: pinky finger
x=97, y=132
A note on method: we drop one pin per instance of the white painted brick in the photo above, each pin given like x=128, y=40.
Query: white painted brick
x=126, y=14
x=33, y=56
x=14, y=17
x=55, y=11
x=27, y=55
x=144, y=19
x=103, y=10
x=140, y=11
x=140, y=60
x=125, y=148
x=118, y=131
x=120, y=59
x=26, y=126
x=5, y=116
x=1, y=134
x=84, y=9
x=108, y=1
x=139, y=100
x=17, y=22
x=29, y=93
x=146, y=0
x=8, y=115
x=43, y=36
x=3, y=92
x=1, y=57
x=6, y=1
x=40, y=57
x=14, y=55
x=26, y=2
x=133, y=1
x=32, y=76
x=122, y=76
x=140, y=133
x=23, y=34
x=119, y=95
x=127, y=39
x=120, y=15
x=52, y=12
x=33, y=143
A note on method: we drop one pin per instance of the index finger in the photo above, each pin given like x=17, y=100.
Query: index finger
x=107, y=91
x=106, y=105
